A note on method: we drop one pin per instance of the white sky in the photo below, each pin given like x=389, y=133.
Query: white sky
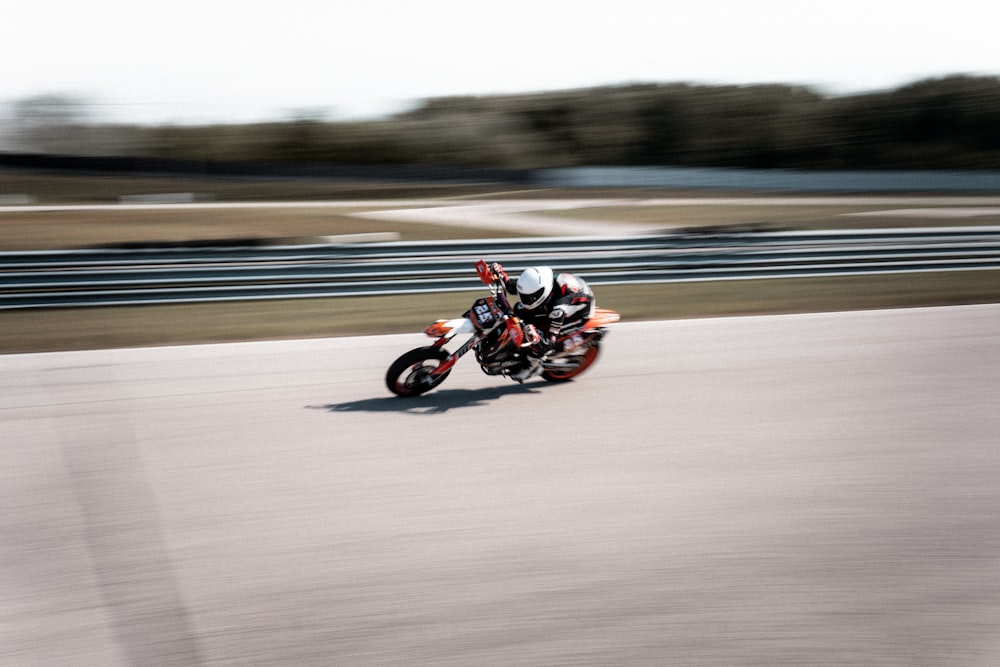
x=209, y=60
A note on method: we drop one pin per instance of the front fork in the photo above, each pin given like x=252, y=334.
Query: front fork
x=453, y=358
x=515, y=336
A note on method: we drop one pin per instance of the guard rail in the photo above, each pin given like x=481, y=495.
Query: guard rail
x=114, y=277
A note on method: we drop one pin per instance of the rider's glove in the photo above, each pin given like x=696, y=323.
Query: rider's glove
x=532, y=337
x=499, y=273
x=541, y=349
x=538, y=344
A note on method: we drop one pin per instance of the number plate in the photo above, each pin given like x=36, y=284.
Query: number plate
x=484, y=313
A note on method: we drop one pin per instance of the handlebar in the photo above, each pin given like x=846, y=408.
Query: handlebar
x=497, y=284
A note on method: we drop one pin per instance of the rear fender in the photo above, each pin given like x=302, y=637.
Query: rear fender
x=602, y=317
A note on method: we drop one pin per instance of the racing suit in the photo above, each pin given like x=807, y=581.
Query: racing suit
x=565, y=311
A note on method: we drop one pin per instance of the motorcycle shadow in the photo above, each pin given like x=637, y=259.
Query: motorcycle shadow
x=438, y=401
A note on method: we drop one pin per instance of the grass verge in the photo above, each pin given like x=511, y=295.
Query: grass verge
x=140, y=326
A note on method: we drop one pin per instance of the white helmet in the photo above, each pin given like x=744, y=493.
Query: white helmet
x=534, y=286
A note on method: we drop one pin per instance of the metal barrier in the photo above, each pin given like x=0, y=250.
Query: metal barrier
x=106, y=277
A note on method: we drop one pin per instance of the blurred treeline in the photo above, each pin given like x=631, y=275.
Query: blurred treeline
x=945, y=123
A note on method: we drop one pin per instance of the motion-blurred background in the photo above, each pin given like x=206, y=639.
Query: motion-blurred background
x=812, y=489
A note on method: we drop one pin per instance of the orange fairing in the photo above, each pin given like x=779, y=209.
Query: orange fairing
x=514, y=332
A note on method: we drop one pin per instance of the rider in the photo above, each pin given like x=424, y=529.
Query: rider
x=550, y=305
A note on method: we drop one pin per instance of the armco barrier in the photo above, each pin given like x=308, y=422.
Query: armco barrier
x=80, y=278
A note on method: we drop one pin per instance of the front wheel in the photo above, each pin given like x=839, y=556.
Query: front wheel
x=410, y=375
x=572, y=365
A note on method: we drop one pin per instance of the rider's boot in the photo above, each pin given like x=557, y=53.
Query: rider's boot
x=532, y=361
x=531, y=367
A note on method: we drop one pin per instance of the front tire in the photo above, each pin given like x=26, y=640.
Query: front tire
x=410, y=375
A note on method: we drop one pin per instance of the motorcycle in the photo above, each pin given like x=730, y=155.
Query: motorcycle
x=500, y=341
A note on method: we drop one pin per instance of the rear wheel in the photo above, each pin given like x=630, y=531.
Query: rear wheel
x=410, y=375
x=573, y=366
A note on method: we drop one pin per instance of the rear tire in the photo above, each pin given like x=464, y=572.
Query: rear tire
x=409, y=375
x=587, y=358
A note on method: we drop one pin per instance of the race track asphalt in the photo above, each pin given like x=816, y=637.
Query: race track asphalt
x=794, y=490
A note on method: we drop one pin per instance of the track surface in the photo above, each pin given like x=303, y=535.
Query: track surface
x=798, y=490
